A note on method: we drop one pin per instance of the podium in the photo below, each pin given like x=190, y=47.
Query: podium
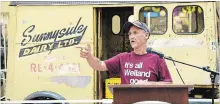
x=128, y=94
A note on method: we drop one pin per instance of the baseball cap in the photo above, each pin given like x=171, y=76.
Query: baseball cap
x=138, y=24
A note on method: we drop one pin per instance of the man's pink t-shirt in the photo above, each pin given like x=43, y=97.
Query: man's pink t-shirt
x=133, y=67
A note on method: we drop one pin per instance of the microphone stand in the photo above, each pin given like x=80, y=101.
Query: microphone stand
x=212, y=75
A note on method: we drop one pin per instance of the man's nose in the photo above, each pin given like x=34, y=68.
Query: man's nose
x=131, y=36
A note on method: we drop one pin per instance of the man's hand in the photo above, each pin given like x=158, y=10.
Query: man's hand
x=85, y=52
x=93, y=61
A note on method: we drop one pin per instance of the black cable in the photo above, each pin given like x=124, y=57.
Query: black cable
x=177, y=69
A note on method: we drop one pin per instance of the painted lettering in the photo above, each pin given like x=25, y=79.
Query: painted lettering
x=43, y=48
x=27, y=36
x=52, y=34
x=51, y=67
x=26, y=52
x=58, y=68
x=39, y=68
x=33, y=67
x=35, y=50
x=76, y=32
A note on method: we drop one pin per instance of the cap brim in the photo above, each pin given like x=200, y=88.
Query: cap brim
x=127, y=26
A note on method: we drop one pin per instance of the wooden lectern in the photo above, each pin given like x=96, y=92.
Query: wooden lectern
x=128, y=94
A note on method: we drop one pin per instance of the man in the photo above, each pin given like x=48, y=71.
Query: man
x=136, y=67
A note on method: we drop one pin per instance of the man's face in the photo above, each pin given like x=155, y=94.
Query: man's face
x=137, y=37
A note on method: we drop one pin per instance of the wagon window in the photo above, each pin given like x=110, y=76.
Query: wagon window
x=115, y=24
x=188, y=19
x=155, y=18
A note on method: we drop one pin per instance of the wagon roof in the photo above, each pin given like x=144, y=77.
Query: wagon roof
x=17, y=3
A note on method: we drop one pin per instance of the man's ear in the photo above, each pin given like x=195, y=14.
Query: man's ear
x=147, y=36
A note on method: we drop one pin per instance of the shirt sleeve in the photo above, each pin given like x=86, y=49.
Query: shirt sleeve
x=113, y=64
x=164, y=74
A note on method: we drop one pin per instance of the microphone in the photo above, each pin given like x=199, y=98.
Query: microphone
x=150, y=50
